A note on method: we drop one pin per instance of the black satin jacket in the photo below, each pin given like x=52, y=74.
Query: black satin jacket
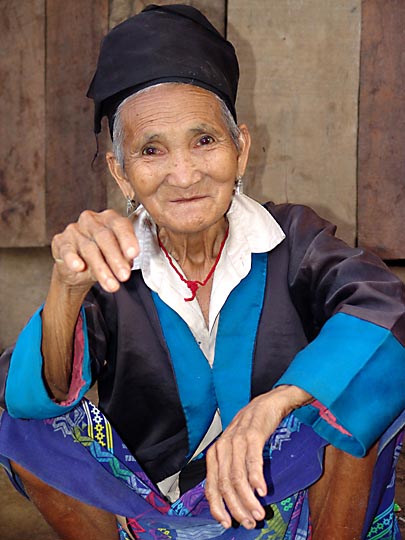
x=311, y=276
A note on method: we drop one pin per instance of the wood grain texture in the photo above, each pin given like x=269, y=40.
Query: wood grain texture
x=381, y=155
x=74, y=32
x=298, y=93
x=22, y=126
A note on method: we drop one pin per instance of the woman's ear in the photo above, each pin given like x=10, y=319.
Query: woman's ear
x=244, y=148
x=119, y=175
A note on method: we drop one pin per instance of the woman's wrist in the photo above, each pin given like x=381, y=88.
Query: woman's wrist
x=292, y=397
x=65, y=290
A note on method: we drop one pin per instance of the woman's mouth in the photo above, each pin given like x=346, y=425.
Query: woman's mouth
x=185, y=200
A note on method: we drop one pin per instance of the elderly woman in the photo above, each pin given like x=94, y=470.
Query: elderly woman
x=242, y=352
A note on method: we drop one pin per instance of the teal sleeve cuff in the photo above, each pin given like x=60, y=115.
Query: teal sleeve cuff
x=356, y=369
x=26, y=395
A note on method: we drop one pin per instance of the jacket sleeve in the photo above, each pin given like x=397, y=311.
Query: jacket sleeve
x=23, y=391
x=353, y=311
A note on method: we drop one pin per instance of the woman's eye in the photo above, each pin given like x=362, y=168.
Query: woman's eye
x=206, y=139
x=149, y=151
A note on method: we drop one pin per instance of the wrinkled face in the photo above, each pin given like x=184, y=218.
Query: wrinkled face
x=179, y=158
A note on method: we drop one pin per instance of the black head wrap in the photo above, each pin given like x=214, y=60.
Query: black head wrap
x=173, y=43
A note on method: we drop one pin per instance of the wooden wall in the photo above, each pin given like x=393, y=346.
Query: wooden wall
x=22, y=129
x=381, y=165
x=49, y=52
x=299, y=94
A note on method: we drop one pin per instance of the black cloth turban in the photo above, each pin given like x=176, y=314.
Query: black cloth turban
x=173, y=43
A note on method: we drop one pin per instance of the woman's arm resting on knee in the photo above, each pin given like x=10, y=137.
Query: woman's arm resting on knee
x=235, y=461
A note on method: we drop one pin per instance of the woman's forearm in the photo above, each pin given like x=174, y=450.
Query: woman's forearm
x=59, y=318
x=98, y=247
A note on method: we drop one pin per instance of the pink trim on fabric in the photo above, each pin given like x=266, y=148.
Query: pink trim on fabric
x=326, y=415
x=77, y=381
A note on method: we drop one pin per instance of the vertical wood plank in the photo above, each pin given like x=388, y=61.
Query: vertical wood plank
x=22, y=126
x=298, y=93
x=74, y=32
x=381, y=156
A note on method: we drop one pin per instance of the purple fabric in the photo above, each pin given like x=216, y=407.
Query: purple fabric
x=107, y=476
x=103, y=473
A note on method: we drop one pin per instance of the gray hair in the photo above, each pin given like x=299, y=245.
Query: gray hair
x=118, y=128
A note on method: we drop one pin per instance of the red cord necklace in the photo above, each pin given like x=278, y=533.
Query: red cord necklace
x=194, y=284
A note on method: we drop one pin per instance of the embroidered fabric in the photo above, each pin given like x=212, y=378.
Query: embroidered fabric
x=84, y=441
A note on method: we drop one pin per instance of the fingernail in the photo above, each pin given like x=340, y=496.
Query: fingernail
x=111, y=283
x=247, y=524
x=123, y=274
x=225, y=525
x=257, y=515
x=131, y=252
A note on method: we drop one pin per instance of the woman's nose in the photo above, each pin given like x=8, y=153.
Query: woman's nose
x=184, y=171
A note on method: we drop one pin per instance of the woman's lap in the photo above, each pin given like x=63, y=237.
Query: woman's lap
x=81, y=455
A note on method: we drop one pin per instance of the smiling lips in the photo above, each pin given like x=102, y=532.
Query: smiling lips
x=189, y=199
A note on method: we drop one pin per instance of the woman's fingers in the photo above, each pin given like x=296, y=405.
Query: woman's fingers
x=254, y=466
x=242, y=446
x=232, y=485
x=92, y=223
x=101, y=270
x=115, y=237
x=213, y=495
x=124, y=232
x=238, y=460
x=221, y=489
x=235, y=462
x=66, y=254
x=65, y=251
x=99, y=247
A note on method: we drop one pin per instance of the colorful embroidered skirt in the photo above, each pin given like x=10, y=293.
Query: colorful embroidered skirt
x=81, y=455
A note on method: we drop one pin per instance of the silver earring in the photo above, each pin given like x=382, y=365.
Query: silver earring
x=239, y=185
x=131, y=206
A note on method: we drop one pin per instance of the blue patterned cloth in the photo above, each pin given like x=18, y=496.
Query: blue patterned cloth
x=107, y=476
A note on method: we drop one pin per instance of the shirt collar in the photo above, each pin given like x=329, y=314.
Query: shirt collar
x=251, y=229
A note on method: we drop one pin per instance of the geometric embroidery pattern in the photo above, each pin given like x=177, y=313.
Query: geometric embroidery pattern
x=98, y=427
x=383, y=526
x=282, y=434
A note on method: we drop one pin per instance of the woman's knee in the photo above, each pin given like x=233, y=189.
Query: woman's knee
x=26, y=477
x=338, y=500
x=70, y=518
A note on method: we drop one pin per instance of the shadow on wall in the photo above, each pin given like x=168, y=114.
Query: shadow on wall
x=254, y=178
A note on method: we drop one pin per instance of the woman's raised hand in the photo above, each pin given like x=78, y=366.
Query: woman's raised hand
x=98, y=247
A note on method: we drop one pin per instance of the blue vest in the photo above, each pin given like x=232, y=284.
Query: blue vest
x=225, y=386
